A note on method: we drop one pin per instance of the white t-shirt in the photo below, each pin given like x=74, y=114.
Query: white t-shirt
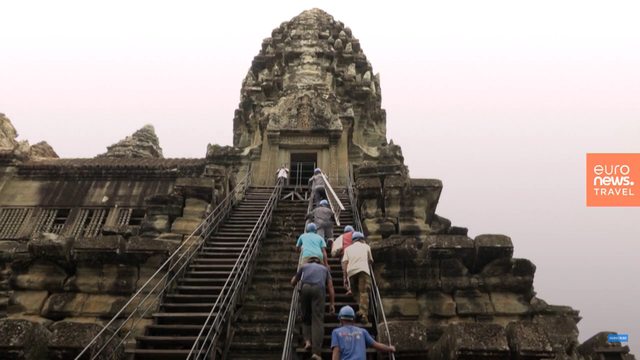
x=283, y=173
x=358, y=256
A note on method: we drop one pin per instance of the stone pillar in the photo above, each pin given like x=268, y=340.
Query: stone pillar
x=270, y=162
x=334, y=173
x=343, y=149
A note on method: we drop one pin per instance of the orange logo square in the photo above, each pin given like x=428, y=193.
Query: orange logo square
x=613, y=179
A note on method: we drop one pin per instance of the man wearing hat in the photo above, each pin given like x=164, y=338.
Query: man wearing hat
x=349, y=342
x=355, y=261
x=316, y=279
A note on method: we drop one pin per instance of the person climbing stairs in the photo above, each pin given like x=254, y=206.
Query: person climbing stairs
x=341, y=297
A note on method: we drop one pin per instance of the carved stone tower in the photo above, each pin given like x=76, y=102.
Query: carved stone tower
x=310, y=97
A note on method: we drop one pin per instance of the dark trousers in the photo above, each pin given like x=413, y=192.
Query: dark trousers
x=313, y=299
x=319, y=194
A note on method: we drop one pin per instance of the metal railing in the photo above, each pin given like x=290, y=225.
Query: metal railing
x=287, y=351
x=375, y=298
x=164, y=277
x=332, y=198
x=225, y=303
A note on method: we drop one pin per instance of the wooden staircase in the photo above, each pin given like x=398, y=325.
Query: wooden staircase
x=183, y=312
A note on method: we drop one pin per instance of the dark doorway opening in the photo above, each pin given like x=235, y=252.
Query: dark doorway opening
x=302, y=167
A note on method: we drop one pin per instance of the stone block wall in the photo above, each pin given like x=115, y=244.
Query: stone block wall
x=440, y=291
x=58, y=291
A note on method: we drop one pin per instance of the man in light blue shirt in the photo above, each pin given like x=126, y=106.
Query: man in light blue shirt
x=312, y=244
x=349, y=342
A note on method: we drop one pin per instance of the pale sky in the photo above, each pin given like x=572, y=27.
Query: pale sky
x=501, y=100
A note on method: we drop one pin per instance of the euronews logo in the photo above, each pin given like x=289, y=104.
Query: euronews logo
x=612, y=178
x=609, y=176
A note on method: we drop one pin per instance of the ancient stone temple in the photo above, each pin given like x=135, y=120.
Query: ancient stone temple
x=78, y=237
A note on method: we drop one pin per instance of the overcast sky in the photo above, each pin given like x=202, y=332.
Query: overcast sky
x=499, y=99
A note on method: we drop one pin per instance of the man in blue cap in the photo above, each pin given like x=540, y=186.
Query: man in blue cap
x=355, y=265
x=312, y=244
x=349, y=342
x=316, y=280
x=324, y=218
x=316, y=186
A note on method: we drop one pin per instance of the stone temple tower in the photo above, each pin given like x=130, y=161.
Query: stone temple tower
x=79, y=237
x=310, y=96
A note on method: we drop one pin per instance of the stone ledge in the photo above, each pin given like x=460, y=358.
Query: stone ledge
x=103, y=249
x=471, y=340
x=22, y=339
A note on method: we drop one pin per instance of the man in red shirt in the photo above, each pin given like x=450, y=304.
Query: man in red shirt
x=341, y=243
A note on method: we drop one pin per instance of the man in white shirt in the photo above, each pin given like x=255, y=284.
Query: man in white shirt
x=283, y=173
x=356, y=260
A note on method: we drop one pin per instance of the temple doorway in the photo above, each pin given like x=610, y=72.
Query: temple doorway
x=302, y=166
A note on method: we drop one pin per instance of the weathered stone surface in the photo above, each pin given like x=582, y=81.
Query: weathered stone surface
x=40, y=275
x=143, y=143
x=52, y=247
x=104, y=306
x=562, y=332
x=68, y=339
x=598, y=347
x=452, y=247
x=473, y=303
x=27, y=302
x=468, y=340
x=118, y=279
x=13, y=250
x=407, y=336
x=61, y=305
x=401, y=306
x=185, y=226
x=22, y=339
x=8, y=133
x=380, y=226
x=195, y=208
x=529, y=339
x=86, y=279
x=436, y=303
x=21, y=149
x=102, y=249
x=155, y=225
x=490, y=248
x=510, y=304
x=43, y=150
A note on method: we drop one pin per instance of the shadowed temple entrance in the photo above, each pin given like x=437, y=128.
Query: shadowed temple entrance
x=302, y=166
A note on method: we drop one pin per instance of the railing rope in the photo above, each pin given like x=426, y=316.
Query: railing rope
x=188, y=248
x=287, y=351
x=332, y=198
x=234, y=283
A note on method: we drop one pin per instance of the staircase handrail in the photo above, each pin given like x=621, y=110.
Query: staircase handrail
x=335, y=203
x=234, y=284
x=188, y=246
x=287, y=351
x=375, y=292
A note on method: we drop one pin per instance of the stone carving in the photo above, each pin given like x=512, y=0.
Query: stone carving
x=143, y=143
x=20, y=150
x=304, y=140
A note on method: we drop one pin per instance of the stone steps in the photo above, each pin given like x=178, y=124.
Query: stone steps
x=262, y=322
x=182, y=314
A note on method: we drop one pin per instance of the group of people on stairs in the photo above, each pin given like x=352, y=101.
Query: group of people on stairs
x=348, y=341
